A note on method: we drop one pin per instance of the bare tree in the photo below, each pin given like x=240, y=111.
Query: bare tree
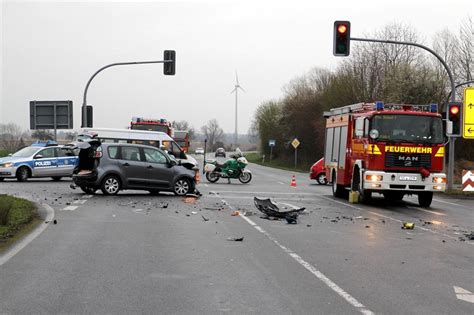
x=212, y=132
x=42, y=134
x=11, y=137
x=465, y=52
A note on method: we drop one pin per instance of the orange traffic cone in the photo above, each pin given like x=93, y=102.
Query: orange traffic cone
x=293, y=181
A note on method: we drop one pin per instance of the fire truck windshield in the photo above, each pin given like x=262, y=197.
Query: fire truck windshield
x=408, y=128
x=149, y=127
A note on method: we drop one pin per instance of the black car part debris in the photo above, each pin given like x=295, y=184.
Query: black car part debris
x=270, y=209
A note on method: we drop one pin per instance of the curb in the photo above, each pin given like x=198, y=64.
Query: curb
x=47, y=213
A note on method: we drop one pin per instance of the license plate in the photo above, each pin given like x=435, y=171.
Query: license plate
x=407, y=178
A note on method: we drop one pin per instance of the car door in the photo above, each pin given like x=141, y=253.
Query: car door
x=45, y=163
x=132, y=167
x=160, y=173
x=66, y=161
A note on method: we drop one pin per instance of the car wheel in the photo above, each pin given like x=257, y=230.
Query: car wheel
x=245, y=177
x=56, y=178
x=321, y=179
x=110, y=185
x=182, y=187
x=22, y=174
x=88, y=190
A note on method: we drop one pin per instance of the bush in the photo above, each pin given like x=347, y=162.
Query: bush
x=3, y=153
x=14, y=212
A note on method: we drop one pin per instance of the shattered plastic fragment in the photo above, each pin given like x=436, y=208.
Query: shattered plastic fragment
x=235, y=239
x=408, y=226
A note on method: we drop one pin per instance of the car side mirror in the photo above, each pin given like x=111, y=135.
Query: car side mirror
x=171, y=163
x=38, y=156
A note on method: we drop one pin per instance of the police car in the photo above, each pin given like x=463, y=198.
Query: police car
x=41, y=159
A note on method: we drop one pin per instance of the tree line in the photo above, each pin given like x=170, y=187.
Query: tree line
x=373, y=72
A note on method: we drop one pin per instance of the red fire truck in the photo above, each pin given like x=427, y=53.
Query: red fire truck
x=182, y=138
x=390, y=149
x=140, y=123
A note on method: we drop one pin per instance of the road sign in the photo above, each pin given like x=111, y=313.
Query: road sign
x=468, y=117
x=271, y=143
x=51, y=115
x=468, y=180
x=295, y=143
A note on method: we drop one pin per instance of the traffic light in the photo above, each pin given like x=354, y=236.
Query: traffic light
x=342, y=38
x=169, y=66
x=455, y=116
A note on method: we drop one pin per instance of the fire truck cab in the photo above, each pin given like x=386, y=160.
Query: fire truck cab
x=390, y=149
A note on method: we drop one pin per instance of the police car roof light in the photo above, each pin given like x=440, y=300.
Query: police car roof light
x=48, y=143
x=434, y=108
x=379, y=105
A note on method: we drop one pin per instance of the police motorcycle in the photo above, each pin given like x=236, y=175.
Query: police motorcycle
x=232, y=168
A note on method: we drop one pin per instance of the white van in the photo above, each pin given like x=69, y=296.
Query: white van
x=154, y=138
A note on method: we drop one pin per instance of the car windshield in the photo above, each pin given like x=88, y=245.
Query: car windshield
x=25, y=152
x=408, y=128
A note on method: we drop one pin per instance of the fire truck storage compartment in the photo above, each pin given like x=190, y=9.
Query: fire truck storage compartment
x=336, y=144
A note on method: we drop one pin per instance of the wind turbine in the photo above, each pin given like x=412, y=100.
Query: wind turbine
x=236, y=89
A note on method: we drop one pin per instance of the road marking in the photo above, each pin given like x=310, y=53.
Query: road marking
x=429, y=211
x=206, y=185
x=263, y=192
x=279, y=198
x=281, y=183
x=70, y=208
x=463, y=294
x=447, y=202
x=318, y=274
x=30, y=237
x=80, y=201
x=393, y=219
x=87, y=196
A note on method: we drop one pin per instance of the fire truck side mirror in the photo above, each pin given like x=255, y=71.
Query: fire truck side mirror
x=359, y=128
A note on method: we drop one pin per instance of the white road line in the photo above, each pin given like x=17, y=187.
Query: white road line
x=80, y=201
x=280, y=198
x=281, y=183
x=463, y=294
x=87, y=196
x=29, y=238
x=393, y=219
x=263, y=192
x=447, y=202
x=70, y=208
x=318, y=274
x=206, y=185
x=429, y=211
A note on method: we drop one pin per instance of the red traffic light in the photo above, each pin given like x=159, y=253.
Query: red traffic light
x=454, y=110
x=341, y=29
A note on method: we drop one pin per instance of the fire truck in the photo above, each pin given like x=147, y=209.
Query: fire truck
x=182, y=138
x=391, y=149
x=140, y=123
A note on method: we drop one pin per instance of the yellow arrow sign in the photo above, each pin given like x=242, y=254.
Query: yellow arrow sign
x=468, y=113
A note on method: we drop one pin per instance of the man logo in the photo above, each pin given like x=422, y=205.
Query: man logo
x=407, y=160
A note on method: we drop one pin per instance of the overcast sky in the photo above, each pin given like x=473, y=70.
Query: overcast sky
x=49, y=49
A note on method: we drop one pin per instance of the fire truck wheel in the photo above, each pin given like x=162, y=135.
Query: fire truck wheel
x=364, y=195
x=337, y=190
x=425, y=198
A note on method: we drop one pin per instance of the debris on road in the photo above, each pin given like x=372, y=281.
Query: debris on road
x=190, y=199
x=291, y=218
x=204, y=218
x=248, y=213
x=308, y=225
x=194, y=212
x=470, y=236
x=408, y=226
x=270, y=209
x=164, y=205
x=235, y=213
x=367, y=226
x=235, y=239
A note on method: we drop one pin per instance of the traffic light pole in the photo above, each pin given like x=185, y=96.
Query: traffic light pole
x=84, y=122
x=452, y=139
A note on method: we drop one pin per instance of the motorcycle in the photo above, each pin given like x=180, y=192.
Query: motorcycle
x=232, y=168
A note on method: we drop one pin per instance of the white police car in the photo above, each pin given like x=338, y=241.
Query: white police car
x=41, y=159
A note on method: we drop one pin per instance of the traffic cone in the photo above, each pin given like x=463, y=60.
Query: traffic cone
x=293, y=181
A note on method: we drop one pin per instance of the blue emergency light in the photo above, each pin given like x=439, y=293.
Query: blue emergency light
x=48, y=143
x=434, y=108
x=379, y=105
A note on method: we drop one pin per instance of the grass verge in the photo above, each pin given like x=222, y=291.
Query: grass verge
x=276, y=163
x=17, y=217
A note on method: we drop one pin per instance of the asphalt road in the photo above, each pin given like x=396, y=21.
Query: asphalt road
x=136, y=253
